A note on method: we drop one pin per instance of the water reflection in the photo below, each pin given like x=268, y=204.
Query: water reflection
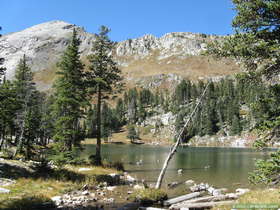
x=221, y=167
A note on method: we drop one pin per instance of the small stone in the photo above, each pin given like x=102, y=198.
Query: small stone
x=180, y=171
x=111, y=188
x=109, y=200
x=138, y=187
x=172, y=184
x=129, y=192
x=4, y=190
x=242, y=191
x=232, y=195
x=211, y=190
x=217, y=192
x=86, y=192
x=189, y=182
x=57, y=200
x=130, y=179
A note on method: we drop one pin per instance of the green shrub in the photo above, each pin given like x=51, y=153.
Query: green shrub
x=28, y=203
x=67, y=157
x=149, y=196
x=267, y=171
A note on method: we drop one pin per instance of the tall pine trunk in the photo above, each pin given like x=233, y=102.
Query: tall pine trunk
x=98, y=143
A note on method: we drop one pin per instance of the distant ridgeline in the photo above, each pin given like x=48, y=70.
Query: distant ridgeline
x=228, y=108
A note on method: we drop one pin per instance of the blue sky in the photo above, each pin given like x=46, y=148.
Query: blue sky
x=126, y=18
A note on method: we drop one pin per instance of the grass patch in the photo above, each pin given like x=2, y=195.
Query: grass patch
x=41, y=185
x=28, y=203
x=149, y=196
x=256, y=197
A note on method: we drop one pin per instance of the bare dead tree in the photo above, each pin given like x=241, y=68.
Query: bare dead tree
x=175, y=146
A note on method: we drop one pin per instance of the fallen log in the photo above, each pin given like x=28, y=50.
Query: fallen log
x=202, y=205
x=150, y=208
x=181, y=198
x=230, y=196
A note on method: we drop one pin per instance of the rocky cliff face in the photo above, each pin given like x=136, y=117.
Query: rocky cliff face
x=141, y=60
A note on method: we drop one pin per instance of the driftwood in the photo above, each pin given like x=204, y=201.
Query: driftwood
x=181, y=198
x=174, y=148
x=202, y=205
x=230, y=196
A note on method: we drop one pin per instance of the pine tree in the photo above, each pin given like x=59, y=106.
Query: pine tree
x=120, y=112
x=132, y=134
x=132, y=106
x=104, y=77
x=9, y=105
x=70, y=97
x=25, y=90
x=106, y=121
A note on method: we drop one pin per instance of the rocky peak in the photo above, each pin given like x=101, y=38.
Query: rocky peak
x=43, y=44
x=176, y=43
x=142, y=58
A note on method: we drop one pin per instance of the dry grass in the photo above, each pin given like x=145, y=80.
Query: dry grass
x=41, y=188
x=191, y=67
x=145, y=135
x=256, y=197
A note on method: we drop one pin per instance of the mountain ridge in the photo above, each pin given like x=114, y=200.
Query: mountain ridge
x=146, y=56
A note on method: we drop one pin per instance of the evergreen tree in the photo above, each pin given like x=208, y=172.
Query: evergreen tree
x=132, y=134
x=9, y=105
x=132, y=106
x=25, y=90
x=70, y=97
x=120, y=112
x=104, y=77
x=106, y=122
x=256, y=44
x=91, y=122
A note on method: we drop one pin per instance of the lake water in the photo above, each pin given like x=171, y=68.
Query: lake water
x=228, y=167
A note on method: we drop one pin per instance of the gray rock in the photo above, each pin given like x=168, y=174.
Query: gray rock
x=199, y=187
x=86, y=192
x=43, y=45
x=172, y=184
x=241, y=191
x=57, y=200
x=138, y=187
x=217, y=192
x=4, y=190
x=189, y=182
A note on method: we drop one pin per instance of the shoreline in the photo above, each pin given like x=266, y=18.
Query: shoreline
x=92, y=141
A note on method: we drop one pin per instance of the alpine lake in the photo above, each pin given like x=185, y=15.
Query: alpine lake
x=219, y=167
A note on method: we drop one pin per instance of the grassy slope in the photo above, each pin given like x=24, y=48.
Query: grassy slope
x=43, y=186
x=192, y=67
